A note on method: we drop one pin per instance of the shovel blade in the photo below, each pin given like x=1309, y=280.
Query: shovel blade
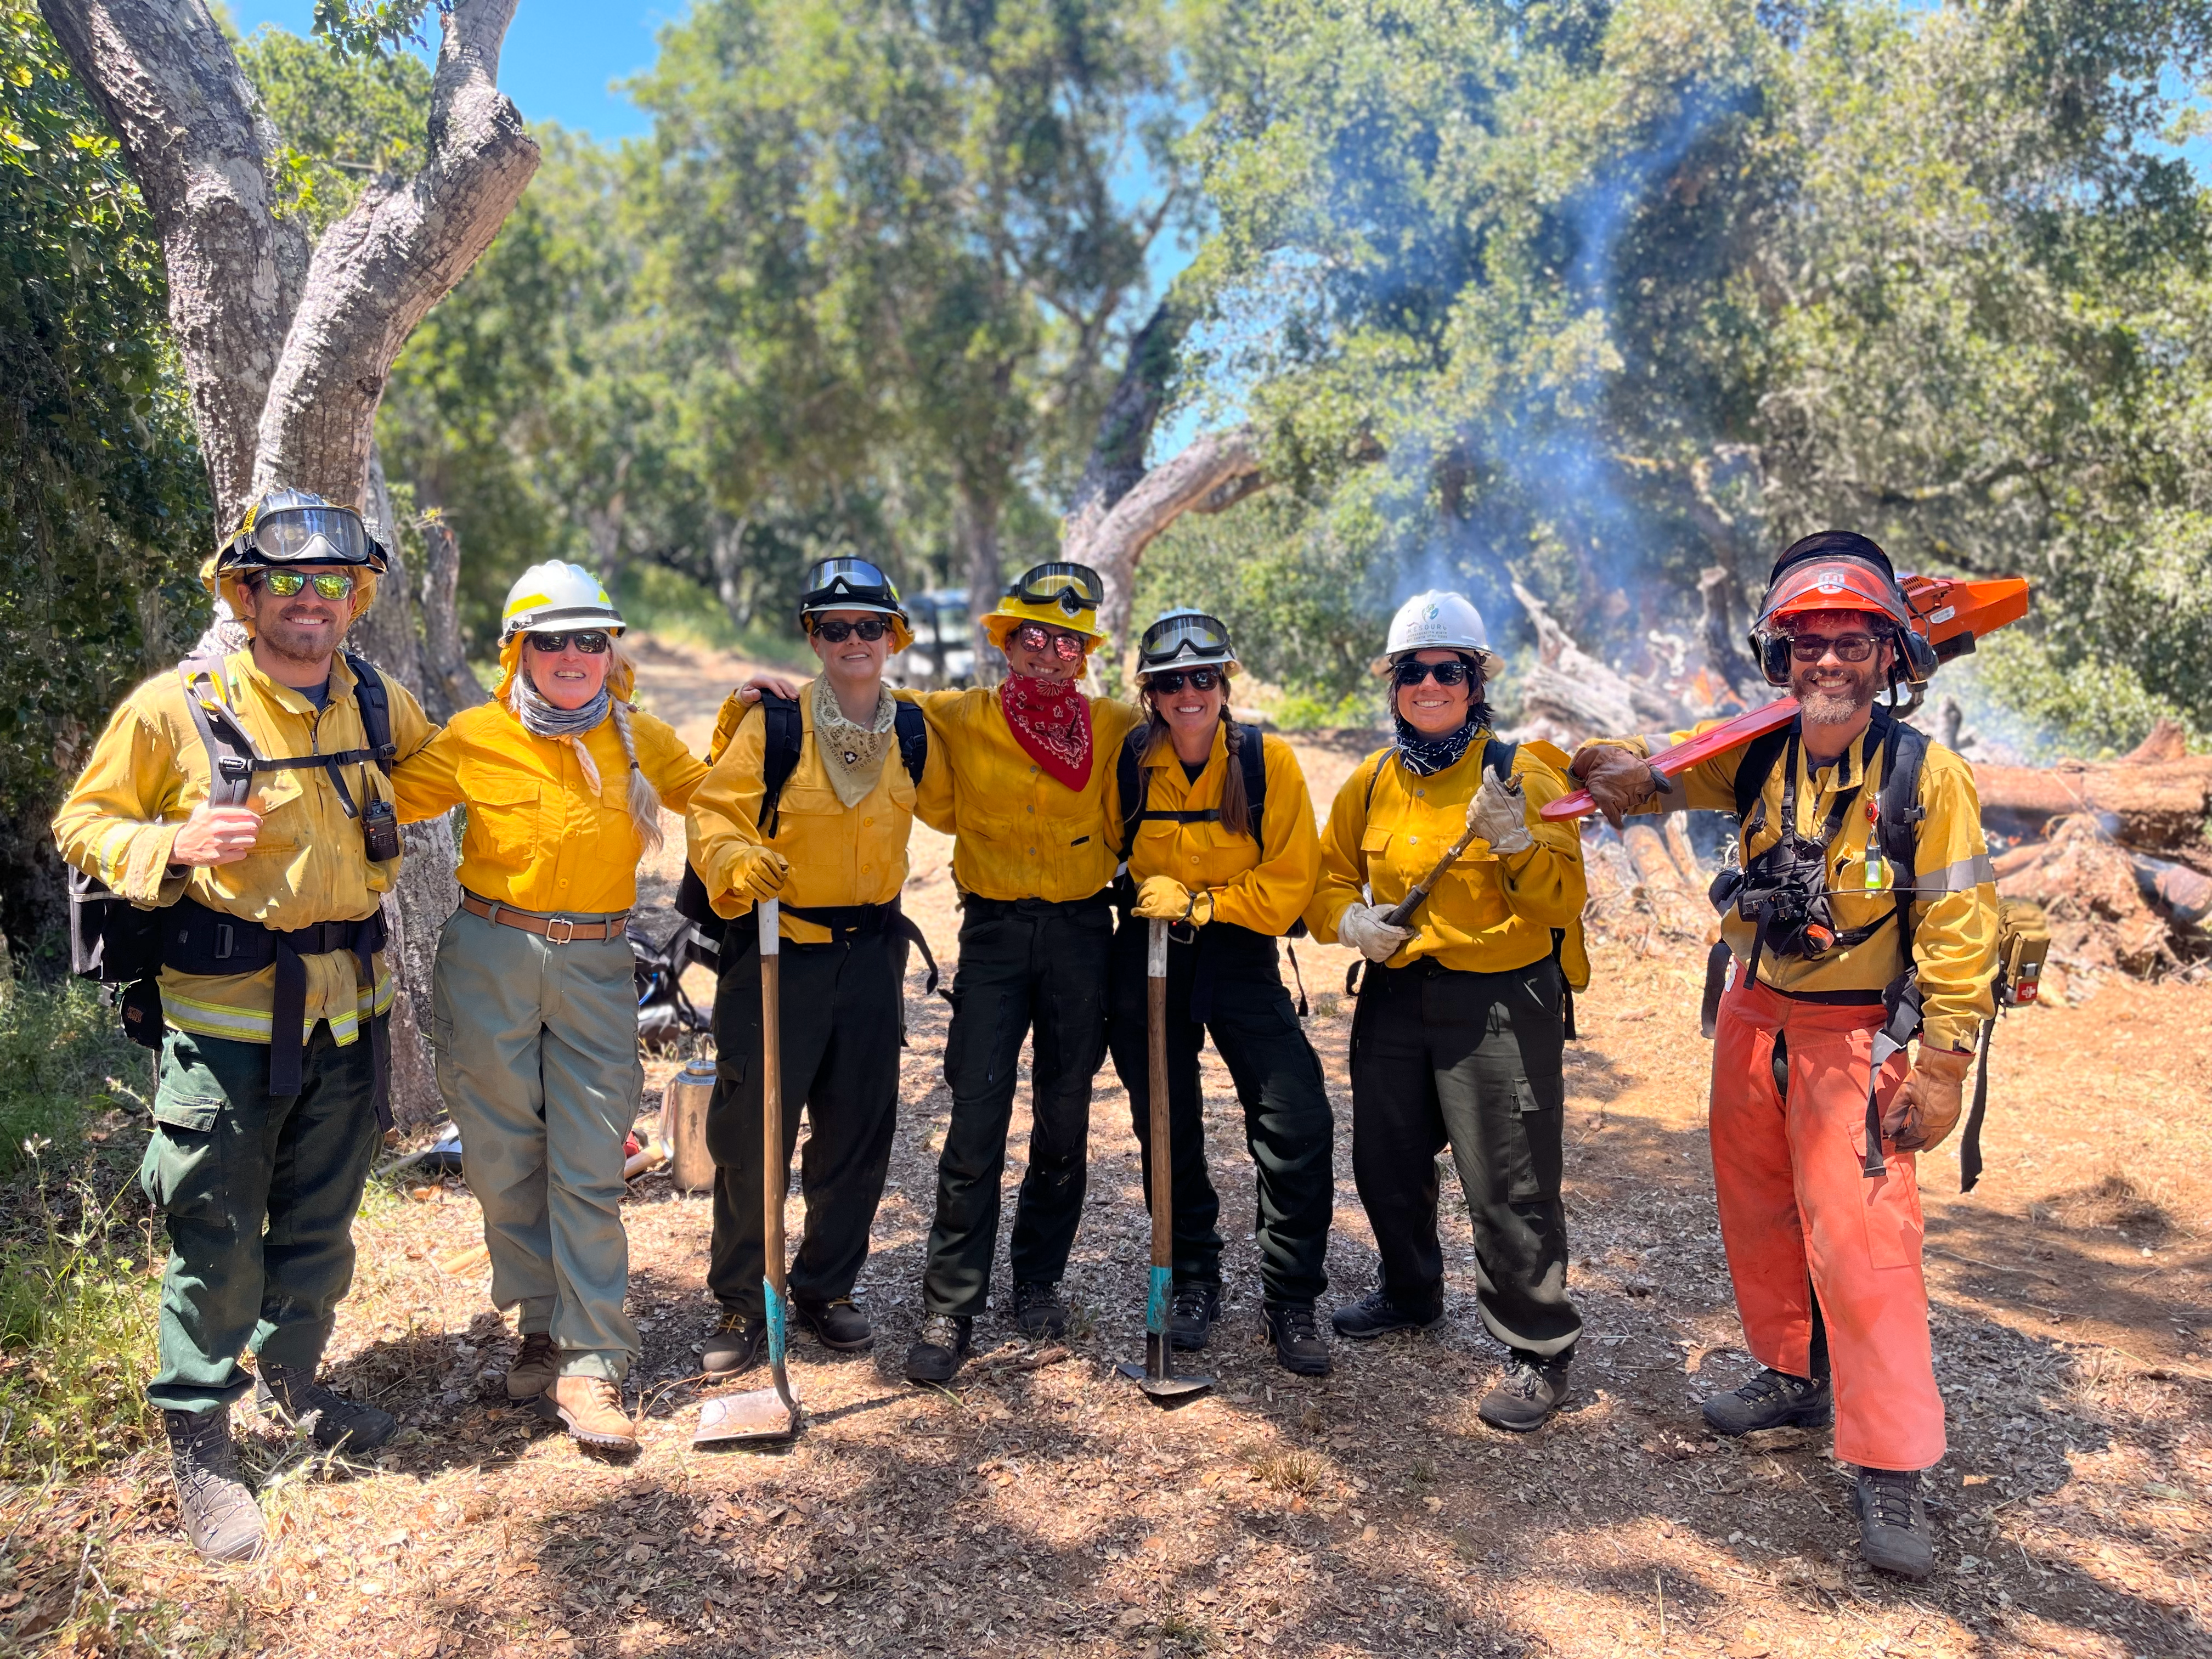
x=756, y=1415
x=1165, y=1390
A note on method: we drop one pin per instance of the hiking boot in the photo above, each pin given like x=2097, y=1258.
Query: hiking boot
x=534, y=1368
x=1297, y=1336
x=330, y=1419
x=1772, y=1399
x=1894, y=1522
x=220, y=1517
x=1191, y=1313
x=1038, y=1310
x=1530, y=1392
x=938, y=1351
x=591, y=1408
x=736, y=1344
x=1374, y=1313
x=840, y=1325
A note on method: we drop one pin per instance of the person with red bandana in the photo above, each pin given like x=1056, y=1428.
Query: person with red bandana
x=1864, y=913
x=1032, y=774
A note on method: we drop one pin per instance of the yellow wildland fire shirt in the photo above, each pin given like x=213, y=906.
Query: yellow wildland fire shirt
x=150, y=769
x=1021, y=833
x=538, y=837
x=1262, y=884
x=838, y=854
x=1954, y=911
x=1486, y=915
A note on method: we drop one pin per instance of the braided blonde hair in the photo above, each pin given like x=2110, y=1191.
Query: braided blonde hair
x=644, y=799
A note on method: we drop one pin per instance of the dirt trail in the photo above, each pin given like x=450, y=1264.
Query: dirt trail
x=1043, y=1506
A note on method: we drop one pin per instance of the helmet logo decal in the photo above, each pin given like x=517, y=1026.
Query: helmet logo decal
x=1830, y=582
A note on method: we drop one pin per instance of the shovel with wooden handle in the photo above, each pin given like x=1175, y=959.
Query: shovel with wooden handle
x=770, y=1414
x=1156, y=1376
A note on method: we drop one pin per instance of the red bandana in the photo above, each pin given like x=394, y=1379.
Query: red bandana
x=1051, y=719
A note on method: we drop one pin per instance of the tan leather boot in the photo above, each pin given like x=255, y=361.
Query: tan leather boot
x=592, y=1408
x=534, y=1368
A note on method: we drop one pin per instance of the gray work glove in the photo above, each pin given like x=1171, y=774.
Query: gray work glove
x=1362, y=928
x=1499, y=814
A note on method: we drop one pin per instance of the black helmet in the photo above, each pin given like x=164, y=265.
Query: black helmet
x=296, y=526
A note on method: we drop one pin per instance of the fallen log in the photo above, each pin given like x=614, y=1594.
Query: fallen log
x=2156, y=804
x=1673, y=904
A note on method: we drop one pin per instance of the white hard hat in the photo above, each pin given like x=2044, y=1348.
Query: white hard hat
x=555, y=598
x=1438, y=621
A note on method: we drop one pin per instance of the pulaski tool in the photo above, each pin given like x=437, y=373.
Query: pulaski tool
x=770, y=1414
x=1156, y=1376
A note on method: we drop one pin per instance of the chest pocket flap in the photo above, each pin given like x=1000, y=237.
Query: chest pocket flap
x=496, y=785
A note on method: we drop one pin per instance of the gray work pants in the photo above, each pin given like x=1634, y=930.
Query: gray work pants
x=537, y=1048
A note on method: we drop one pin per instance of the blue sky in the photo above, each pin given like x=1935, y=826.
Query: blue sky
x=559, y=58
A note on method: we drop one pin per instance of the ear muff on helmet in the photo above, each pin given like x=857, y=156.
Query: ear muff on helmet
x=1917, y=656
x=1773, y=651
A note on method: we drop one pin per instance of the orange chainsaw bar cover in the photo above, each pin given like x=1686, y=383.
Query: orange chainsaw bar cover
x=1944, y=608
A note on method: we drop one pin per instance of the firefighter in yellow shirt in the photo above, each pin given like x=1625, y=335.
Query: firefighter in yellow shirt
x=247, y=796
x=533, y=1007
x=810, y=802
x=1461, y=1031
x=1219, y=831
x=1864, y=909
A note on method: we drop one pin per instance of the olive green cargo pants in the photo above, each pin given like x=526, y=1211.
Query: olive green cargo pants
x=258, y=1192
x=537, y=1050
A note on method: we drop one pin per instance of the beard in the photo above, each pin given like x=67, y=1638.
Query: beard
x=298, y=645
x=1837, y=705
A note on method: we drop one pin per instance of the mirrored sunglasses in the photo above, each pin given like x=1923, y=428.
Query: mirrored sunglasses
x=1198, y=679
x=590, y=644
x=1036, y=636
x=286, y=584
x=870, y=629
x=1412, y=672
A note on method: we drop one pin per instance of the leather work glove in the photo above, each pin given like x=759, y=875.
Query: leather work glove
x=1163, y=898
x=1362, y=928
x=1617, y=780
x=759, y=873
x=1499, y=814
x=1926, y=1108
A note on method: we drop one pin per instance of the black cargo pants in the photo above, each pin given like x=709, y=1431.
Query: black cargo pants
x=840, y=1024
x=1476, y=1061
x=1025, y=964
x=1226, y=984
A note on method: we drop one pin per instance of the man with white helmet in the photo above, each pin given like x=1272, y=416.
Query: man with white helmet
x=533, y=1009
x=249, y=798
x=1462, y=1017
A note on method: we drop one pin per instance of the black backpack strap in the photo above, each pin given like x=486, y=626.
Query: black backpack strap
x=1757, y=765
x=1969, y=1143
x=230, y=751
x=374, y=702
x=913, y=729
x=780, y=745
x=1132, y=783
x=1252, y=750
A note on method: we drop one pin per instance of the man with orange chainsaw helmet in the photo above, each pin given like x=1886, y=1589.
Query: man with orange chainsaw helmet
x=1864, y=914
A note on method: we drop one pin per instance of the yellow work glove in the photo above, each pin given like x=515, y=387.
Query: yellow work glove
x=1163, y=898
x=758, y=873
x=1499, y=814
x=1926, y=1108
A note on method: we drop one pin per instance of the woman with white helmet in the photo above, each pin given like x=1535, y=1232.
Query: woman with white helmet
x=533, y=1013
x=1463, y=1013
x=1218, y=832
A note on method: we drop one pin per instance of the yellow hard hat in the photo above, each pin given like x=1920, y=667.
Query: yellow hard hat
x=1059, y=595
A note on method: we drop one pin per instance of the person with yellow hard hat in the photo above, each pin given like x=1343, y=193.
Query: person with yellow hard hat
x=1864, y=914
x=533, y=1007
x=1032, y=816
x=1459, y=1037
x=1218, y=832
x=810, y=802
x=247, y=796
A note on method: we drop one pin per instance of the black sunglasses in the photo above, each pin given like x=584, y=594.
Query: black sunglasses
x=1413, y=671
x=870, y=629
x=590, y=644
x=1198, y=679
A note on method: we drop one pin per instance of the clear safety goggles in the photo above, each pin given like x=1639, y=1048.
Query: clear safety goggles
x=1073, y=587
x=1190, y=634
x=857, y=579
x=323, y=535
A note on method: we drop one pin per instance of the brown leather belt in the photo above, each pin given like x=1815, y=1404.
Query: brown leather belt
x=554, y=930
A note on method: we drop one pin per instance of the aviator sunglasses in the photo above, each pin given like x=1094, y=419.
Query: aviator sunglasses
x=590, y=644
x=870, y=629
x=1198, y=679
x=286, y=584
x=1036, y=636
x=1412, y=672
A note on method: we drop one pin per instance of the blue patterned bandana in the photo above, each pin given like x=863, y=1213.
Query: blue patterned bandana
x=1424, y=756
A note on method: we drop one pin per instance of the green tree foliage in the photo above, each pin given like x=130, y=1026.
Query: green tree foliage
x=345, y=118
x=1623, y=291
x=101, y=492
